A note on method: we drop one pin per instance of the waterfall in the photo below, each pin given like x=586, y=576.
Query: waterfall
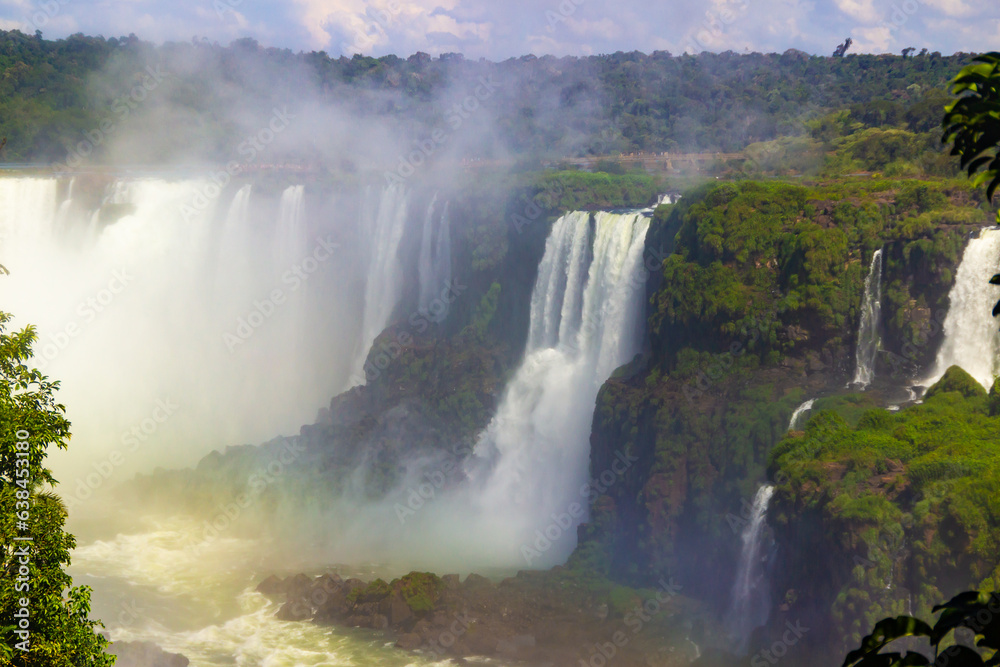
x=290, y=237
x=799, y=411
x=382, y=225
x=291, y=246
x=153, y=304
x=28, y=209
x=434, y=262
x=971, y=336
x=559, y=281
x=234, y=266
x=751, y=600
x=585, y=314
x=871, y=310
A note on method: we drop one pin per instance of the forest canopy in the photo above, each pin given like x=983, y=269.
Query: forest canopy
x=54, y=91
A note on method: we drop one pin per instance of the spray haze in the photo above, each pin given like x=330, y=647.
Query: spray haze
x=263, y=229
x=223, y=276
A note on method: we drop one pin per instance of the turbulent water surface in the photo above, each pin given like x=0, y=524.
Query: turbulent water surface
x=162, y=581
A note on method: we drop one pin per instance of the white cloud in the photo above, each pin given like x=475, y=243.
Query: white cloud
x=500, y=30
x=367, y=26
x=956, y=7
x=859, y=10
x=872, y=40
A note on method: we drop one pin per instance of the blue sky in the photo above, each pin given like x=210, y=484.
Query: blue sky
x=500, y=29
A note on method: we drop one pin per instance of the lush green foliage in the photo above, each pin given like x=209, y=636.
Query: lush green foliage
x=44, y=102
x=54, y=91
x=583, y=191
x=908, y=496
x=787, y=262
x=61, y=634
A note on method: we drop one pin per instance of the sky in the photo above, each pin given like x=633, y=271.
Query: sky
x=500, y=29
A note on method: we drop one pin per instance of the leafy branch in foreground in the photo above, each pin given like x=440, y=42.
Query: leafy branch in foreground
x=972, y=122
x=45, y=620
x=977, y=612
x=972, y=125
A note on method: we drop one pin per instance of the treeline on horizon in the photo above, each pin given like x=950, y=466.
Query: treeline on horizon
x=54, y=91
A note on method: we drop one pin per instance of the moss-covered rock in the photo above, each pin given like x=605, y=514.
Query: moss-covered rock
x=420, y=590
x=956, y=379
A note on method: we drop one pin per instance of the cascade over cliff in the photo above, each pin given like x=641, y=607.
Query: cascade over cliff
x=755, y=294
x=756, y=310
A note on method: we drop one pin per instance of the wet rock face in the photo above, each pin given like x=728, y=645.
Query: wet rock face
x=145, y=654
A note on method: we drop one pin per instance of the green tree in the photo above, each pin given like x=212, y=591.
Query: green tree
x=972, y=125
x=55, y=631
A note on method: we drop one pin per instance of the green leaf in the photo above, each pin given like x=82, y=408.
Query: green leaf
x=886, y=631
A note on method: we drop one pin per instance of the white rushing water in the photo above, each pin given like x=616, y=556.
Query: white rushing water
x=173, y=318
x=383, y=223
x=290, y=236
x=168, y=585
x=434, y=262
x=585, y=322
x=871, y=311
x=751, y=600
x=793, y=423
x=528, y=473
x=971, y=336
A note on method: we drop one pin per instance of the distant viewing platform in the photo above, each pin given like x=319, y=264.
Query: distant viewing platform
x=653, y=161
